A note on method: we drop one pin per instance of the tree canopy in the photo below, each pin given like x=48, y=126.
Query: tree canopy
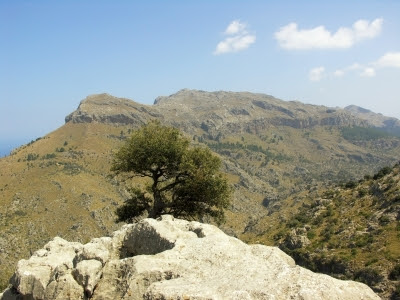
x=184, y=181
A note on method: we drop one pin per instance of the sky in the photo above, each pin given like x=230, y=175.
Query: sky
x=55, y=53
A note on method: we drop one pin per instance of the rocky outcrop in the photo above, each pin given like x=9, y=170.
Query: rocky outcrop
x=171, y=259
x=220, y=111
x=104, y=108
x=297, y=238
x=374, y=119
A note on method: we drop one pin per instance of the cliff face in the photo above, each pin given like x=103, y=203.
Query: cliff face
x=171, y=259
x=215, y=110
x=104, y=108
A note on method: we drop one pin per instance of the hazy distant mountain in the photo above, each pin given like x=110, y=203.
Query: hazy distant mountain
x=389, y=124
x=271, y=150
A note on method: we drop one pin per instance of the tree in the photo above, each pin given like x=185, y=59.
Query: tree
x=183, y=181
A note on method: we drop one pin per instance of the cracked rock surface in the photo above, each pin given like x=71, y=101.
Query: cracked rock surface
x=171, y=259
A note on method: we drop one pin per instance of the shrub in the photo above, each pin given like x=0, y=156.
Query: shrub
x=32, y=156
x=350, y=184
x=382, y=172
x=368, y=276
x=362, y=192
x=384, y=220
x=395, y=273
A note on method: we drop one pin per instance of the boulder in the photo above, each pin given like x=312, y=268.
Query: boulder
x=87, y=273
x=171, y=259
x=296, y=239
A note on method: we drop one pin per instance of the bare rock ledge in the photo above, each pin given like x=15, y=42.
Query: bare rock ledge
x=171, y=259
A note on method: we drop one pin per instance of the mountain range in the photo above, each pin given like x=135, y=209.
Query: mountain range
x=273, y=152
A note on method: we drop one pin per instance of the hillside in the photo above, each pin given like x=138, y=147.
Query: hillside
x=60, y=184
x=351, y=231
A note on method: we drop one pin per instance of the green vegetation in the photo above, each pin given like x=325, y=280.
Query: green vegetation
x=395, y=273
x=219, y=147
x=184, y=181
x=349, y=231
x=33, y=141
x=32, y=156
x=368, y=276
x=363, y=134
x=382, y=172
x=49, y=156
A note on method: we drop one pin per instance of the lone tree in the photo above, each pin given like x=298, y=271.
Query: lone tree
x=183, y=181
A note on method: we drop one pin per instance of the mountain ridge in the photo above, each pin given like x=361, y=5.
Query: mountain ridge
x=243, y=104
x=391, y=124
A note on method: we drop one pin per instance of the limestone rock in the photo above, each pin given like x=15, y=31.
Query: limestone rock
x=171, y=259
x=87, y=273
x=297, y=239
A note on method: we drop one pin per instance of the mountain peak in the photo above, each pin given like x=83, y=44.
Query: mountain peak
x=105, y=108
x=357, y=109
x=375, y=119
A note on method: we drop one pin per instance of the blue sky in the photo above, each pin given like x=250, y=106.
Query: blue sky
x=55, y=53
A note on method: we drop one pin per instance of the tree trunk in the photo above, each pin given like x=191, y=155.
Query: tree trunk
x=158, y=204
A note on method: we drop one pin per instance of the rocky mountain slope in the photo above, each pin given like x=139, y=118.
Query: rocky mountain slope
x=60, y=184
x=350, y=231
x=388, y=124
x=171, y=259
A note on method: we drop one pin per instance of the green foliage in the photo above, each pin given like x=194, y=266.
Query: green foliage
x=362, y=192
x=31, y=142
x=396, y=292
x=219, y=147
x=362, y=134
x=71, y=168
x=395, y=273
x=311, y=234
x=382, y=172
x=384, y=220
x=368, y=276
x=185, y=182
x=367, y=177
x=32, y=156
x=49, y=156
x=138, y=202
x=364, y=240
x=350, y=184
x=318, y=263
x=20, y=213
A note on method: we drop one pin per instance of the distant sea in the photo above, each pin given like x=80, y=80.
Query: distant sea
x=7, y=146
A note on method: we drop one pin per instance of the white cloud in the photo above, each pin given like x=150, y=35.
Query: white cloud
x=338, y=73
x=390, y=59
x=368, y=72
x=238, y=38
x=290, y=37
x=235, y=27
x=353, y=67
x=316, y=74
